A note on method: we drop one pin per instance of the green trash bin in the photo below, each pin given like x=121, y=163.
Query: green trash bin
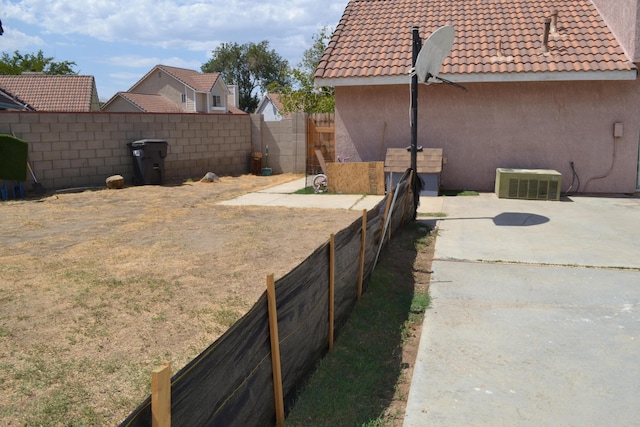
x=13, y=158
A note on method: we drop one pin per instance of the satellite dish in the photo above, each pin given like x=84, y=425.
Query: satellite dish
x=433, y=53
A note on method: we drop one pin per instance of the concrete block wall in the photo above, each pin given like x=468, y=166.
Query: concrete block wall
x=287, y=142
x=83, y=149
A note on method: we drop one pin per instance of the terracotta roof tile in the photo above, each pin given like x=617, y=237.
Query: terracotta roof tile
x=44, y=92
x=151, y=103
x=373, y=38
x=202, y=82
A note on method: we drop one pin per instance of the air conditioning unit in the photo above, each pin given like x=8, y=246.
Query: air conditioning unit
x=530, y=184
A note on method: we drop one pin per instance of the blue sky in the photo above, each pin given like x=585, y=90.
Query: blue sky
x=119, y=41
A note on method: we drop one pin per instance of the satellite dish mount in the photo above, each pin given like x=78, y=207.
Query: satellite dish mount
x=426, y=62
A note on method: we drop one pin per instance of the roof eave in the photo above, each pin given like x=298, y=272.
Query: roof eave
x=631, y=74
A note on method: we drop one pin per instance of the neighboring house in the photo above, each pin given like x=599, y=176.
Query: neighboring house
x=175, y=90
x=270, y=107
x=44, y=92
x=572, y=103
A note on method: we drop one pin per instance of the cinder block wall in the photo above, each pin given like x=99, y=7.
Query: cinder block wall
x=83, y=149
x=287, y=142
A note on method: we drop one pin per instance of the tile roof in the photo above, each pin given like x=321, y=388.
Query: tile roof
x=150, y=103
x=398, y=160
x=275, y=99
x=44, y=92
x=201, y=82
x=496, y=40
x=11, y=102
x=235, y=110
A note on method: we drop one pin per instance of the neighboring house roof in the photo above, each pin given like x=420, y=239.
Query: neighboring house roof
x=235, y=110
x=150, y=103
x=200, y=82
x=44, y=92
x=495, y=41
x=274, y=100
x=10, y=102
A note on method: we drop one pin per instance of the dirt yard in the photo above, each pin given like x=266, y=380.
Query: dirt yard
x=98, y=287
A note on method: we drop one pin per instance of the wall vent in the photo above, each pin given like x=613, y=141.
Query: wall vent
x=529, y=184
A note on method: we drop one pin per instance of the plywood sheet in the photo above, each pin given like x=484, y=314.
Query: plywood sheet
x=356, y=177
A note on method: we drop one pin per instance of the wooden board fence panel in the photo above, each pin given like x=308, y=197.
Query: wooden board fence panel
x=320, y=136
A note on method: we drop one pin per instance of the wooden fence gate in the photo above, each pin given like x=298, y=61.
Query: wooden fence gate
x=321, y=135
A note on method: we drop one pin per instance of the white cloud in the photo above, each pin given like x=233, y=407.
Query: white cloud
x=109, y=38
x=14, y=39
x=137, y=61
x=188, y=24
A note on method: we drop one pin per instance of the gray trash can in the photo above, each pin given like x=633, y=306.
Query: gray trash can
x=148, y=161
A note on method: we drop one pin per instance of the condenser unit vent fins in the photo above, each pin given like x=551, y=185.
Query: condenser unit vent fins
x=530, y=184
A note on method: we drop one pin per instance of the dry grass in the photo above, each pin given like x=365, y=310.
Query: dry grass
x=97, y=288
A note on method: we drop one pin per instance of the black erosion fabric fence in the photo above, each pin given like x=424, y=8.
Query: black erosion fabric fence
x=231, y=382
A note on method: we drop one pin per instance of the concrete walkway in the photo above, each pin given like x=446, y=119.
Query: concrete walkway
x=535, y=316
x=281, y=195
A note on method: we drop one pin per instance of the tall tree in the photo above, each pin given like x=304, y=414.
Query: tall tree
x=304, y=95
x=251, y=67
x=19, y=63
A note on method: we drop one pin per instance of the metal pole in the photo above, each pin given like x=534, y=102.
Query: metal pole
x=416, y=44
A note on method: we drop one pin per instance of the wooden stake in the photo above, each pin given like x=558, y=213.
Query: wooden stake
x=275, y=351
x=161, y=396
x=332, y=285
x=363, y=241
x=386, y=213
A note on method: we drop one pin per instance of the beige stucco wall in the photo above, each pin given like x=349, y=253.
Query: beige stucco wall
x=542, y=125
x=160, y=83
x=121, y=105
x=83, y=149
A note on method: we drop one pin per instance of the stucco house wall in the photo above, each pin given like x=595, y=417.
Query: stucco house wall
x=547, y=82
x=529, y=125
x=623, y=17
x=269, y=111
x=123, y=106
x=159, y=83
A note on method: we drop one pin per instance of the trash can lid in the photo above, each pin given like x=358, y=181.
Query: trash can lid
x=143, y=142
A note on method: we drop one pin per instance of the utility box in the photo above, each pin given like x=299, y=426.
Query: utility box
x=530, y=184
x=148, y=161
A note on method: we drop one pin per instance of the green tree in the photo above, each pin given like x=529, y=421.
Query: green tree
x=19, y=63
x=303, y=95
x=251, y=67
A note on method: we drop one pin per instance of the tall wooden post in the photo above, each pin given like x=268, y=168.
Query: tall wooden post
x=363, y=242
x=332, y=287
x=275, y=351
